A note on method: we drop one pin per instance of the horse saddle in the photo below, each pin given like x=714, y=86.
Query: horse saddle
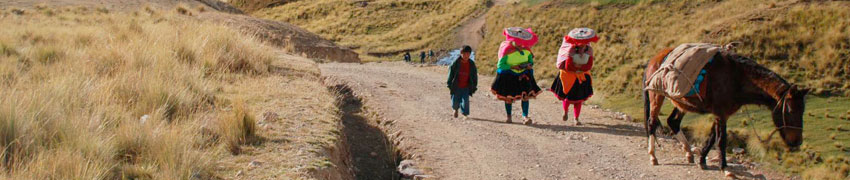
x=682, y=73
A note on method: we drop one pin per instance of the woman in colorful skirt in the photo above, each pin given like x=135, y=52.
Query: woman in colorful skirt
x=575, y=58
x=515, y=77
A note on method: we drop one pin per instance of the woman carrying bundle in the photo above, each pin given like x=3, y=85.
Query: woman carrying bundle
x=515, y=77
x=575, y=59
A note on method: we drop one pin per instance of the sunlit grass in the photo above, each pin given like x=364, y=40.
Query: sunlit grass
x=823, y=139
x=805, y=42
x=89, y=94
x=381, y=29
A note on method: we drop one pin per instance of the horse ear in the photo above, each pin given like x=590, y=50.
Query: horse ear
x=805, y=91
x=801, y=91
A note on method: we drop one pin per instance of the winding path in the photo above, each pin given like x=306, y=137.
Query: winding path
x=471, y=31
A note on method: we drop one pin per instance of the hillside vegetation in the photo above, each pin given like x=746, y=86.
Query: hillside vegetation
x=807, y=42
x=86, y=93
x=380, y=29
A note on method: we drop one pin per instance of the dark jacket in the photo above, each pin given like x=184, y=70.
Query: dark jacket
x=451, y=83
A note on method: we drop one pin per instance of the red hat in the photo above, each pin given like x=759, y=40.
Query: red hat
x=581, y=36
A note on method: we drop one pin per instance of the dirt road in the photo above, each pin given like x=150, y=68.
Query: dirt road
x=484, y=147
x=471, y=31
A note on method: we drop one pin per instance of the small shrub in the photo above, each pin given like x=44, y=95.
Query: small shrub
x=181, y=9
x=48, y=55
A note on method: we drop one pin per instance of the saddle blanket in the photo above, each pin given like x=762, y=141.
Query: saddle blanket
x=681, y=69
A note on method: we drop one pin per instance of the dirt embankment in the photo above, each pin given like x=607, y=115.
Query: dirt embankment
x=290, y=38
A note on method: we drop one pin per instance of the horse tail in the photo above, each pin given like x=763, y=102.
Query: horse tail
x=657, y=60
x=646, y=106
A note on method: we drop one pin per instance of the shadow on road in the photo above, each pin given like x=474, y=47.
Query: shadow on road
x=619, y=129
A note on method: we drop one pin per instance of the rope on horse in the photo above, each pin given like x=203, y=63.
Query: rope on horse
x=783, y=103
x=755, y=132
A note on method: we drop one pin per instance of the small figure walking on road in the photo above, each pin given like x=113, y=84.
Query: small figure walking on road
x=462, y=82
x=422, y=57
x=515, y=75
x=575, y=58
x=431, y=55
x=407, y=56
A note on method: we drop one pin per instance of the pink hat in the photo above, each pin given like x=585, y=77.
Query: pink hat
x=522, y=37
x=581, y=36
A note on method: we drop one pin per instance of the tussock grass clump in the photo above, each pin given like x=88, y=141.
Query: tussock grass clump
x=88, y=94
x=237, y=128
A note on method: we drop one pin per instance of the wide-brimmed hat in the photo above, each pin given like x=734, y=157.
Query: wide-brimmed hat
x=521, y=36
x=581, y=36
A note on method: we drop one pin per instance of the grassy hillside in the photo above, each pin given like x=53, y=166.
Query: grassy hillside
x=378, y=29
x=254, y=5
x=86, y=93
x=806, y=42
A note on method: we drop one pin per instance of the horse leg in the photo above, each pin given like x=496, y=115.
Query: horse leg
x=721, y=130
x=708, y=144
x=653, y=107
x=675, y=122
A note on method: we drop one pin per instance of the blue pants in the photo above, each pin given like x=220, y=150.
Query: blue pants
x=525, y=105
x=460, y=99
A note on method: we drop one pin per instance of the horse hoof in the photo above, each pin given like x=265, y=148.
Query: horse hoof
x=654, y=162
x=703, y=166
x=729, y=174
x=690, y=159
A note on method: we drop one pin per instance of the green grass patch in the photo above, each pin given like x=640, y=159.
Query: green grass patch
x=826, y=133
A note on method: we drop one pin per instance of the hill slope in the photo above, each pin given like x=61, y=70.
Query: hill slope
x=808, y=43
x=380, y=29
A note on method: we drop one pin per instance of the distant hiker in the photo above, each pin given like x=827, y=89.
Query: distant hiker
x=515, y=76
x=422, y=57
x=431, y=55
x=575, y=58
x=463, y=81
x=406, y=56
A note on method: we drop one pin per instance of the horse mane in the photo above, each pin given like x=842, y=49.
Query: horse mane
x=755, y=70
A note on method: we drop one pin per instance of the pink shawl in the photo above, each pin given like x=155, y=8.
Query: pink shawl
x=565, y=54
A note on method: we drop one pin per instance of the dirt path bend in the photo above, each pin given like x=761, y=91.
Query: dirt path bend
x=484, y=147
x=471, y=31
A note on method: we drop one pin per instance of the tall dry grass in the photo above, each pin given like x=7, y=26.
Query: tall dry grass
x=89, y=94
x=378, y=28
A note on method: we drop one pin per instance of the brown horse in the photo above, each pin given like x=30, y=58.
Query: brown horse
x=732, y=81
